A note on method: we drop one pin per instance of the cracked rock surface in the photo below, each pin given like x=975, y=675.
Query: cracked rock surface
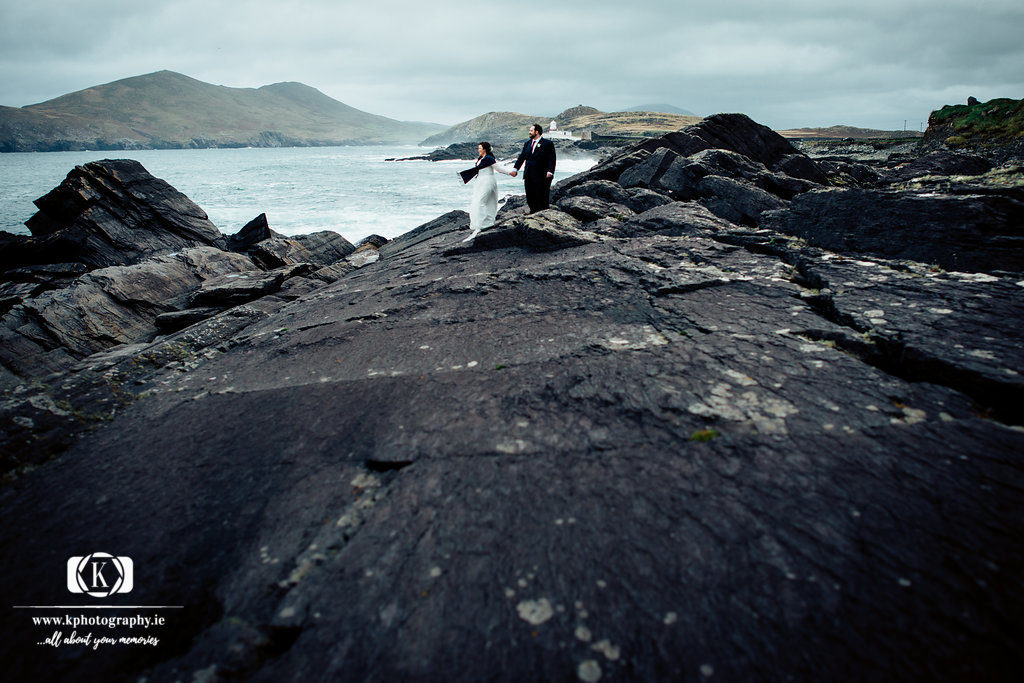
x=647, y=446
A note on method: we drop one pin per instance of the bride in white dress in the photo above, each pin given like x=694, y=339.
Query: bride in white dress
x=484, y=205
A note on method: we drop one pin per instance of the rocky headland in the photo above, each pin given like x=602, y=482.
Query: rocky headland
x=506, y=126
x=724, y=412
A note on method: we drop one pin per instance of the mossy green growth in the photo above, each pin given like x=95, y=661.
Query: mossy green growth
x=998, y=119
x=704, y=435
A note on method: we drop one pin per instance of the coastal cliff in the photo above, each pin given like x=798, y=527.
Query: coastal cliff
x=724, y=411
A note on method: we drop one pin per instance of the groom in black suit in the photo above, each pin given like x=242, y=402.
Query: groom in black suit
x=539, y=156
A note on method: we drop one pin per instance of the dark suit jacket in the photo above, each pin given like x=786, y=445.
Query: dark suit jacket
x=538, y=163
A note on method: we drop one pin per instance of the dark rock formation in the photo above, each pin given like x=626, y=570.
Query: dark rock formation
x=957, y=232
x=587, y=209
x=107, y=306
x=239, y=288
x=738, y=133
x=28, y=281
x=635, y=198
x=943, y=163
x=178, y=320
x=844, y=173
x=273, y=250
x=546, y=230
x=737, y=201
x=54, y=314
x=679, y=176
x=256, y=230
x=375, y=241
x=655, y=446
x=107, y=213
x=325, y=246
x=279, y=251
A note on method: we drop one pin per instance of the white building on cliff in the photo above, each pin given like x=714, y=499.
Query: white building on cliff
x=554, y=133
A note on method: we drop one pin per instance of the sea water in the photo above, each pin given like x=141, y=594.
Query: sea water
x=351, y=190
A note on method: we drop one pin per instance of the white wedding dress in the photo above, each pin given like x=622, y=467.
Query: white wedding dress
x=484, y=205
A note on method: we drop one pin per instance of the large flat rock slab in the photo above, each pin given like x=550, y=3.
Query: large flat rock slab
x=635, y=456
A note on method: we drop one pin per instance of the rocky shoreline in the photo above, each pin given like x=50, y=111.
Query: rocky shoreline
x=725, y=410
x=509, y=151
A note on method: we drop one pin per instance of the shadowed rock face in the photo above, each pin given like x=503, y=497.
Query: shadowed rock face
x=654, y=445
x=113, y=212
x=960, y=232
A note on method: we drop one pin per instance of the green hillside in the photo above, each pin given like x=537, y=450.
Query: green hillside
x=170, y=110
x=997, y=121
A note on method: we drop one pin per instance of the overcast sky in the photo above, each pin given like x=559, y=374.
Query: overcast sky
x=786, y=63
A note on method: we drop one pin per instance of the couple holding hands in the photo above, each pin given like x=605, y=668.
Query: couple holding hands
x=539, y=157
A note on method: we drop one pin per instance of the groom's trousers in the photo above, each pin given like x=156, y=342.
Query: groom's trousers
x=538, y=192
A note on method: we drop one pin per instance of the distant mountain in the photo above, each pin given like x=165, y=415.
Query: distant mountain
x=169, y=110
x=504, y=126
x=847, y=132
x=661, y=109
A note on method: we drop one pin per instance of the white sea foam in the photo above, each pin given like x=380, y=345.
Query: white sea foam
x=351, y=190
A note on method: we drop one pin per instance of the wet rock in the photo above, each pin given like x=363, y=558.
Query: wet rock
x=652, y=172
x=640, y=199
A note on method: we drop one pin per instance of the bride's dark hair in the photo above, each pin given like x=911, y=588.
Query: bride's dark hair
x=487, y=148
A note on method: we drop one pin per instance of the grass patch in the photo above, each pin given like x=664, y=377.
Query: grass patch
x=998, y=119
x=704, y=435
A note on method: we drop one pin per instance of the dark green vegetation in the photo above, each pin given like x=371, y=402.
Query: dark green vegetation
x=958, y=125
x=167, y=110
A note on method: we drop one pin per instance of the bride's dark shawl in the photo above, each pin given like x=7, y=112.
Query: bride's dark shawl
x=470, y=173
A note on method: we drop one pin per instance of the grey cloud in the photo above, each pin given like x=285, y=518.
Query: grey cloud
x=788, y=63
